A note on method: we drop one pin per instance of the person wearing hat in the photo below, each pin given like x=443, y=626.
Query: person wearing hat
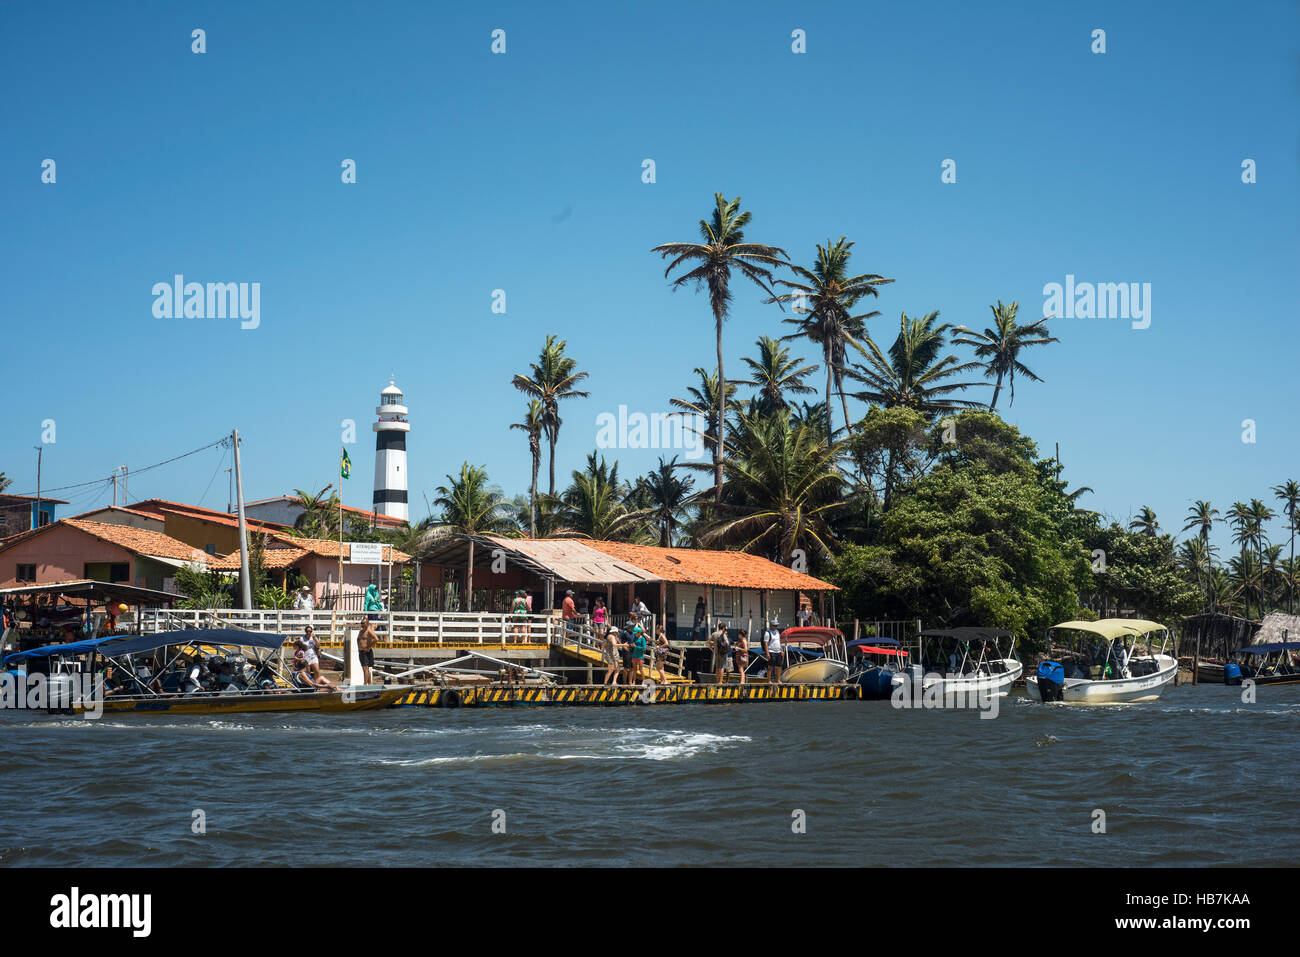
x=613, y=657
x=568, y=611
x=772, y=650
x=303, y=601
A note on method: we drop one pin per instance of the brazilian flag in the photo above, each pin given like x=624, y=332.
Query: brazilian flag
x=345, y=467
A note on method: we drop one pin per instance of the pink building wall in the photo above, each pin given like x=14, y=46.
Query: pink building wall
x=60, y=554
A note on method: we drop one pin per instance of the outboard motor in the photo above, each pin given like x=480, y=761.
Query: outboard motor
x=1051, y=681
x=1232, y=673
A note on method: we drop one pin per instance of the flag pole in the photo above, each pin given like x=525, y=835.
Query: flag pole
x=339, y=595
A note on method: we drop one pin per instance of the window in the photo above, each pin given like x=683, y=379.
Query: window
x=210, y=548
x=42, y=517
x=724, y=602
x=119, y=572
x=26, y=573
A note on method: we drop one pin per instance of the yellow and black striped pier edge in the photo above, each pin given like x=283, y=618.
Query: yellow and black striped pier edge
x=486, y=696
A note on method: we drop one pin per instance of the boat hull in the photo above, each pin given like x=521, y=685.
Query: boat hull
x=981, y=685
x=1112, y=690
x=877, y=684
x=819, y=672
x=324, y=702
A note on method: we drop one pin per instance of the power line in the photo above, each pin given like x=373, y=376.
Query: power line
x=62, y=488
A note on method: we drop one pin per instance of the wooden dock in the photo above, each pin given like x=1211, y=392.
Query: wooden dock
x=501, y=695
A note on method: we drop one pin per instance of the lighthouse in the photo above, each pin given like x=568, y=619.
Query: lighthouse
x=390, y=455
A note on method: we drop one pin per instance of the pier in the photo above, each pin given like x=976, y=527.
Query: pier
x=504, y=695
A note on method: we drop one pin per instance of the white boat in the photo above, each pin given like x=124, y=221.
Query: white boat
x=814, y=656
x=969, y=661
x=1099, y=662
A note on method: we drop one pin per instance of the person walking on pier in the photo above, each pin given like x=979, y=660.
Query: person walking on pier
x=568, y=611
x=598, y=615
x=638, y=653
x=612, y=658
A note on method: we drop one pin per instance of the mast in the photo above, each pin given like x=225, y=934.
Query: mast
x=245, y=586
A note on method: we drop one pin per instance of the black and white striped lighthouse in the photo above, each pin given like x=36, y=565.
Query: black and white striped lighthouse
x=390, y=455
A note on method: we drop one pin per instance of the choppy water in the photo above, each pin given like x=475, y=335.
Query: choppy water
x=1196, y=778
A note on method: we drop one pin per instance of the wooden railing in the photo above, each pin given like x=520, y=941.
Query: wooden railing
x=422, y=627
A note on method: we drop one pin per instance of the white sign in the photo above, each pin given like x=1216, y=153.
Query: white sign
x=366, y=553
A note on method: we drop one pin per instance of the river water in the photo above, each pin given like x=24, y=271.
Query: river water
x=1197, y=778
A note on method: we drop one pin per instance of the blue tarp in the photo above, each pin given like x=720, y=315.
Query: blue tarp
x=1269, y=648
x=872, y=641
x=113, y=646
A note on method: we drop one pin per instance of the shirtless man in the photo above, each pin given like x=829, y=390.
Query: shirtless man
x=366, y=648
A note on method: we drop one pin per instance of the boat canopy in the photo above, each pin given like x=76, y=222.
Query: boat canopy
x=1112, y=628
x=1269, y=648
x=112, y=646
x=967, y=634
x=872, y=650
x=856, y=642
x=67, y=648
x=815, y=635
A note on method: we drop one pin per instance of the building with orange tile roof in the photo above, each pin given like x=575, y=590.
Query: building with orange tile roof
x=74, y=549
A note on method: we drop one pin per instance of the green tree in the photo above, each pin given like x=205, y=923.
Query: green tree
x=823, y=298
x=1201, y=517
x=914, y=375
x=710, y=264
x=553, y=378
x=667, y=496
x=593, y=505
x=774, y=373
x=1288, y=493
x=1001, y=344
x=533, y=425
x=470, y=506
x=1145, y=522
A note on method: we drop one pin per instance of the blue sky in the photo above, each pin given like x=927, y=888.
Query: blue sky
x=522, y=172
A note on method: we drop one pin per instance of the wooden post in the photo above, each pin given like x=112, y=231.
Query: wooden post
x=708, y=610
x=663, y=605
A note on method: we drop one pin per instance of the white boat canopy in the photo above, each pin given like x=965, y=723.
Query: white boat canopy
x=1113, y=628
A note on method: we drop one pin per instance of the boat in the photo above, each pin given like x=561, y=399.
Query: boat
x=1099, y=662
x=814, y=655
x=877, y=666
x=190, y=671
x=969, y=661
x=1273, y=663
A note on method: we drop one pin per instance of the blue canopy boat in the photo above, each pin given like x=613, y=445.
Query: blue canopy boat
x=877, y=666
x=199, y=671
x=1272, y=663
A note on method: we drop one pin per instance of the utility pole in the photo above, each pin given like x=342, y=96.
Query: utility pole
x=113, y=478
x=36, y=513
x=245, y=586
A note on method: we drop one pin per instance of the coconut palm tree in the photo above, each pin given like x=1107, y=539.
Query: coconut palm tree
x=1260, y=514
x=1201, y=516
x=783, y=485
x=593, y=506
x=1239, y=517
x=320, y=515
x=711, y=263
x=775, y=373
x=553, y=378
x=667, y=496
x=1244, y=573
x=1288, y=493
x=815, y=414
x=470, y=506
x=1271, y=570
x=913, y=376
x=703, y=401
x=1000, y=346
x=823, y=299
x=5, y=481
x=1145, y=523
x=533, y=426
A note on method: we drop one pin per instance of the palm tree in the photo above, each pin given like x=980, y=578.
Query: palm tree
x=816, y=414
x=533, y=426
x=723, y=249
x=913, y=376
x=1193, y=556
x=1289, y=494
x=1239, y=518
x=1260, y=514
x=320, y=515
x=469, y=507
x=703, y=401
x=1145, y=523
x=593, y=506
x=782, y=486
x=553, y=378
x=824, y=298
x=1202, y=516
x=1244, y=573
x=1271, y=567
x=5, y=481
x=667, y=496
x=1000, y=345
x=774, y=373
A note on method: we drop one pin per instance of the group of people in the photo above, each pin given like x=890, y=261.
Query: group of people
x=729, y=655
x=629, y=657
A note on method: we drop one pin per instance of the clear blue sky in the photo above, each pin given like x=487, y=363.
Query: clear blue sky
x=523, y=172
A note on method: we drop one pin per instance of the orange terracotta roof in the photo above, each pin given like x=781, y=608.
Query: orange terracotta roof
x=219, y=518
x=118, y=508
x=285, y=550
x=706, y=567
x=141, y=541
